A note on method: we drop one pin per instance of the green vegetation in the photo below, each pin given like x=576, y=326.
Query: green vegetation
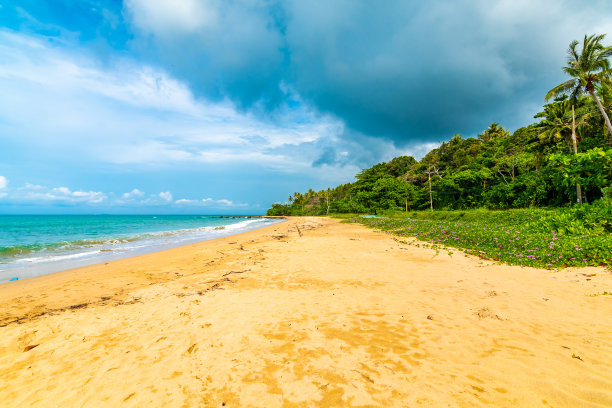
x=549, y=238
x=604, y=293
x=564, y=158
x=497, y=170
x=588, y=68
x=552, y=179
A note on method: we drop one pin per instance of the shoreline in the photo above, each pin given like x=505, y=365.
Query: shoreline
x=103, y=271
x=20, y=269
x=307, y=312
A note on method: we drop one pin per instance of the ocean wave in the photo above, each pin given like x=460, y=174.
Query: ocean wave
x=57, y=257
x=78, y=248
x=9, y=251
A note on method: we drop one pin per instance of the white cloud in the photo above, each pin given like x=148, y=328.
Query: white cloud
x=222, y=202
x=29, y=186
x=418, y=150
x=210, y=202
x=66, y=105
x=34, y=193
x=186, y=201
x=165, y=195
x=135, y=193
x=225, y=202
x=171, y=15
x=3, y=182
x=37, y=193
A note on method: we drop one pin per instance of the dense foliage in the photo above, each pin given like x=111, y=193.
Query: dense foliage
x=496, y=170
x=540, y=165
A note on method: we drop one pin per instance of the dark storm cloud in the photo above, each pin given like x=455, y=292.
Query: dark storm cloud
x=405, y=71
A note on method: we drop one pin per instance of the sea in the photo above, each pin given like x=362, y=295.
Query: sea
x=34, y=245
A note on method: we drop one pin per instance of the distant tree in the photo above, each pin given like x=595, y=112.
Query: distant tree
x=389, y=193
x=559, y=121
x=556, y=122
x=399, y=166
x=588, y=68
x=592, y=168
x=278, y=209
x=299, y=199
x=494, y=131
x=484, y=174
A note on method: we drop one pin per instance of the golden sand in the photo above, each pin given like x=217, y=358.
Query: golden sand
x=310, y=312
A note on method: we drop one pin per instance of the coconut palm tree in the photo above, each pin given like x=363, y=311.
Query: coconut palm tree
x=558, y=121
x=605, y=92
x=588, y=68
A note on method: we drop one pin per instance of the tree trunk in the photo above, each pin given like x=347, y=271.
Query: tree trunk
x=603, y=113
x=406, y=180
x=504, y=177
x=430, y=196
x=575, y=143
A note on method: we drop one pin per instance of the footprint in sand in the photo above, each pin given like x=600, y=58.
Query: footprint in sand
x=486, y=313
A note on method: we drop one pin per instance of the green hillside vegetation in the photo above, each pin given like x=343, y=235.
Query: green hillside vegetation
x=540, y=165
x=532, y=167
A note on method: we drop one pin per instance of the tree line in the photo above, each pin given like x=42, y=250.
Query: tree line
x=565, y=157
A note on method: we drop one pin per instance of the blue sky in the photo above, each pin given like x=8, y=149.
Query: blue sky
x=210, y=106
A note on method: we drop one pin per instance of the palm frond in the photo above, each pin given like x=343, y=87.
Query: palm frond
x=588, y=66
x=572, y=70
x=563, y=88
x=606, y=52
x=572, y=53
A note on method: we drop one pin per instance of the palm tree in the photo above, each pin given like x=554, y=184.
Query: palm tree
x=588, y=68
x=556, y=122
x=605, y=92
x=559, y=121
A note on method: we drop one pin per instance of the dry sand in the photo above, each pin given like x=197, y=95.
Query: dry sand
x=309, y=312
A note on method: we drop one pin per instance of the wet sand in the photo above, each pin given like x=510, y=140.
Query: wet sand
x=310, y=312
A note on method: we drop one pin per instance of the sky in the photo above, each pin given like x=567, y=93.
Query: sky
x=225, y=107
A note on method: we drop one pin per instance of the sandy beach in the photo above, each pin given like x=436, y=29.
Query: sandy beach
x=309, y=312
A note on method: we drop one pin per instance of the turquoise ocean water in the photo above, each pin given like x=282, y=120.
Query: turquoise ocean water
x=33, y=245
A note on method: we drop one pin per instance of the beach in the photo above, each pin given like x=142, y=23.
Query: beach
x=308, y=312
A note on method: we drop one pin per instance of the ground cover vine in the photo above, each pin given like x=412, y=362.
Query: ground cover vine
x=517, y=237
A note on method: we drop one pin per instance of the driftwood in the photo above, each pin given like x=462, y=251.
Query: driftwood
x=230, y=272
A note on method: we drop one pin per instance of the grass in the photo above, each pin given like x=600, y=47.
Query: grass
x=516, y=237
x=604, y=293
x=343, y=216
